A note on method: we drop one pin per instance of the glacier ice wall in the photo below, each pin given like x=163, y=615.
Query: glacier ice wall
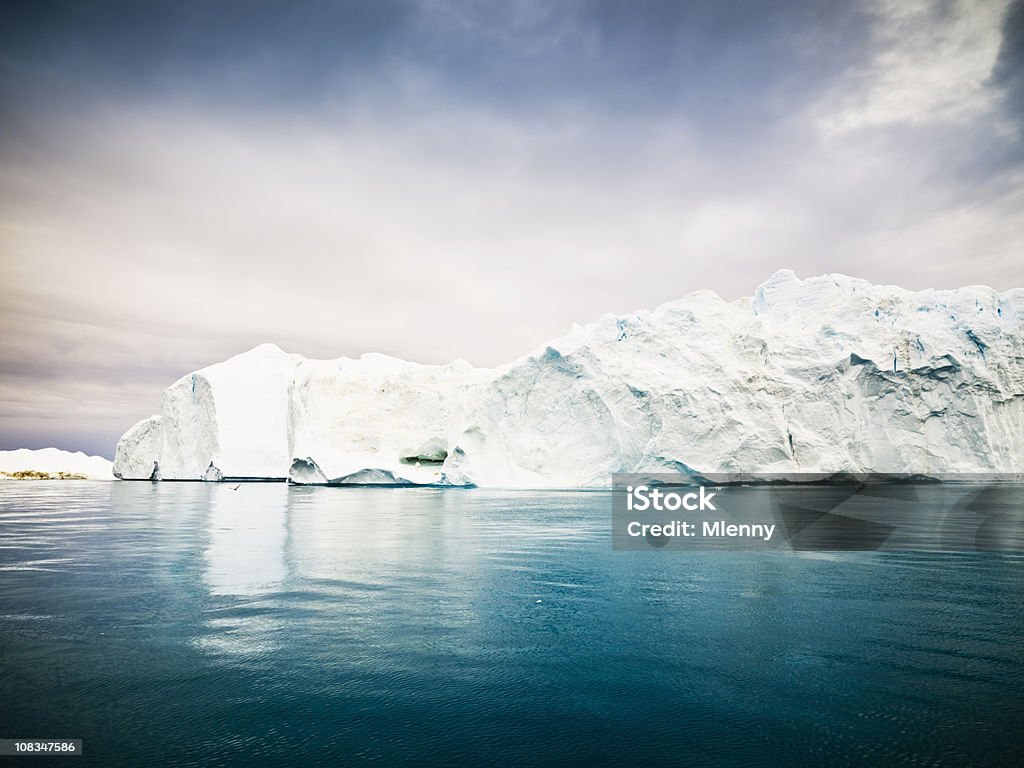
x=825, y=375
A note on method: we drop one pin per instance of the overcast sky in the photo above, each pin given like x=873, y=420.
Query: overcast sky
x=436, y=179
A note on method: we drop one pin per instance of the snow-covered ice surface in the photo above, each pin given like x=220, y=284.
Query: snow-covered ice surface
x=54, y=460
x=825, y=375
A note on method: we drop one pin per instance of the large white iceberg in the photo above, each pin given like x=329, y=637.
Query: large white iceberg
x=826, y=375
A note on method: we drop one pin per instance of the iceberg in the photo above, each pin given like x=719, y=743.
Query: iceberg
x=51, y=463
x=828, y=375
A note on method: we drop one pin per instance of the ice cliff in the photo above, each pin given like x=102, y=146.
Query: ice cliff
x=829, y=374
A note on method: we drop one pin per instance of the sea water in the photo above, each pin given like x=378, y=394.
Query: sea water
x=240, y=625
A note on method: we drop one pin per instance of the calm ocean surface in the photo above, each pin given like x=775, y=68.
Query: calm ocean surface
x=195, y=624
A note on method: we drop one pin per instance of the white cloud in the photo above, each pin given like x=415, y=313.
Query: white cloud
x=933, y=62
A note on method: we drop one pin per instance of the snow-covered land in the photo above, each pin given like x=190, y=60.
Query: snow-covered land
x=54, y=462
x=824, y=375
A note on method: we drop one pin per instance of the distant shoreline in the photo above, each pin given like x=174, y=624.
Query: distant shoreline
x=32, y=474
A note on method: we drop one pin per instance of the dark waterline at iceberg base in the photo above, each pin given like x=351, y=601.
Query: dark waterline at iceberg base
x=195, y=624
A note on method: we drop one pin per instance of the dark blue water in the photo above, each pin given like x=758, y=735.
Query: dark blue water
x=192, y=624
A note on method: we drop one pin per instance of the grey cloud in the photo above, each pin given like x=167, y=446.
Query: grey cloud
x=723, y=64
x=1008, y=73
x=155, y=40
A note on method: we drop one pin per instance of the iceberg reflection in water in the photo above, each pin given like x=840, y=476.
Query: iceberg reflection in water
x=248, y=533
x=190, y=623
x=245, y=558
